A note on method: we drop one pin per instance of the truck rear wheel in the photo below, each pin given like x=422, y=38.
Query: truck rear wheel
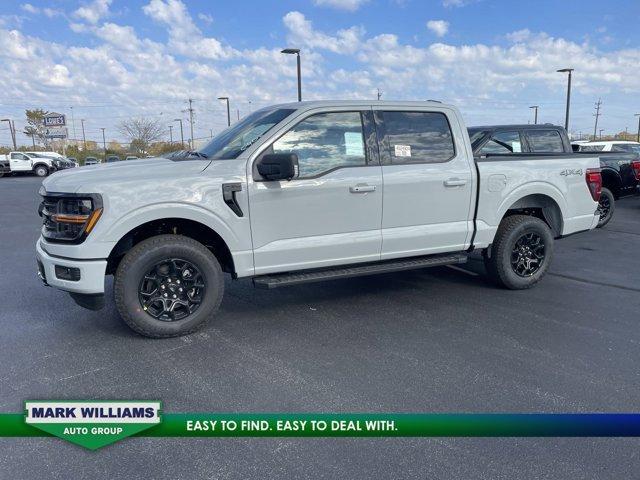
x=168, y=286
x=521, y=252
x=606, y=207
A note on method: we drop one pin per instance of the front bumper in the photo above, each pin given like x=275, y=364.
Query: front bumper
x=92, y=272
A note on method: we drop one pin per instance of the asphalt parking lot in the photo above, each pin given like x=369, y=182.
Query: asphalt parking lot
x=439, y=340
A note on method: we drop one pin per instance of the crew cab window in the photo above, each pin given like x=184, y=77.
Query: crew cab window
x=503, y=142
x=418, y=137
x=545, y=141
x=324, y=142
x=19, y=156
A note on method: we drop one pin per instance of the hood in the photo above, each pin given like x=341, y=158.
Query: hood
x=94, y=178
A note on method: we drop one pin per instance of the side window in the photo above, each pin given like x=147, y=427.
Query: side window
x=591, y=148
x=503, y=142
x=325, y=141
x=545, y=141
x=418, y=137
x=19, y=156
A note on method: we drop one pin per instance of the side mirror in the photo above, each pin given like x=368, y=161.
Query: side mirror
x=278, y=166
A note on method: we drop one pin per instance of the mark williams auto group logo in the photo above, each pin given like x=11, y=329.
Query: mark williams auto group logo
x=92, y=424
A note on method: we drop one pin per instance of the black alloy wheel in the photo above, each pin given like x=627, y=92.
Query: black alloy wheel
x=171, y=290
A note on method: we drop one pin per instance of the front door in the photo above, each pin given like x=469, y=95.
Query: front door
x=330, y=213
x=428, y=183
x=19, y=162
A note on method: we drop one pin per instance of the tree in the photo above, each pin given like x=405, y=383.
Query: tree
x=35, y=125
x=141, y=132
x=114, y=146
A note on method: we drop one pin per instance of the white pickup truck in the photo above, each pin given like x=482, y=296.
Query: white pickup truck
x=40, y=163
x=306, y=192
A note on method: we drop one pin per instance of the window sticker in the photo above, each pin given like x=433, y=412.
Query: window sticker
x=516, y=147
x=402, y=150
x=353, y=144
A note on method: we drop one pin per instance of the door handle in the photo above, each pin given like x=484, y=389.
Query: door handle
x=362, y=188
x=455, y=182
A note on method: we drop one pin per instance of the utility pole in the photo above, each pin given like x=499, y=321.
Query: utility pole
x=238, y=113
x=84, y=139
x=597, y=115
x=181, y=132
x=191, y=123
x=379, y=93
x=535, y=110
x=12, y=131
x=170, y=134
x=638, y=137
x=104, y=144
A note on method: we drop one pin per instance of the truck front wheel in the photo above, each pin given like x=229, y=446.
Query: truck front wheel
x=41, y=171
x=168, y=286
x=521, y=252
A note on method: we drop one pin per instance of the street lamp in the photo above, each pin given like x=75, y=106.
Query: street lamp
x=601, y=130
x=638, y=138
x=181, y=132
x=104, y=144
x=228, y=111
x=296, y=52
x=566, y=118
x=170, y=134
x=535, y=118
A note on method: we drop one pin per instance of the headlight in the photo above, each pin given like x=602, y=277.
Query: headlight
x=69, y=218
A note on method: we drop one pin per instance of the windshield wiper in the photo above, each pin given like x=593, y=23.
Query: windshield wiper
x=195, y=153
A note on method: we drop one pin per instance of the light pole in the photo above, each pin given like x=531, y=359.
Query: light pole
x=181, y=132
x=566, y=118
x=535, y=115
x=84, y=139
x=601, y=130
x=170, y=134
x=104, y=144
x=228, y=111
x=638, y=137
x=296, y=52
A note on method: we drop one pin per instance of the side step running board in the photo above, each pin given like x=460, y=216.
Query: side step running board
x=357, y=270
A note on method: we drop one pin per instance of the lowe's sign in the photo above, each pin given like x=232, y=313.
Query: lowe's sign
x=55, y=120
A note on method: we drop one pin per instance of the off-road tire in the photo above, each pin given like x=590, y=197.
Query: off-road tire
x=498, y=263
x=608, y=196
x=142, y=257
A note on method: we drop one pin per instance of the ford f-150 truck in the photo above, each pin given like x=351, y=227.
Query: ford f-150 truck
x=305, y=192
x=620, y=166
x=37, y=162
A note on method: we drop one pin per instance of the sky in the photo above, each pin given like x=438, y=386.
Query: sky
x=105, y=61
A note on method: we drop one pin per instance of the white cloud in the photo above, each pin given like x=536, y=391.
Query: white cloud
x=349, y=5
x=302, y=33
x=94, y=11
x=184, y=36
x=438, y=27
x=206, y=18
x=457, y=3
x=27, y=7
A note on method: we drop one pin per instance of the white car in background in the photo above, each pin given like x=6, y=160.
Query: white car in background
x=609, y=146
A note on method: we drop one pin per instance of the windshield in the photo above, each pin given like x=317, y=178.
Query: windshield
x=236, y=139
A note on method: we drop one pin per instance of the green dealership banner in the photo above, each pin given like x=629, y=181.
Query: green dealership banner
x=94, y=424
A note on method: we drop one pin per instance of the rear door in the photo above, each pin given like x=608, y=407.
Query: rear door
x=19, y=162
x=330, y=213
x=427, y=176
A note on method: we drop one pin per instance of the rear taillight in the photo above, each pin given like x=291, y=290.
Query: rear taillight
x=635, y=165
x=594, y=182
